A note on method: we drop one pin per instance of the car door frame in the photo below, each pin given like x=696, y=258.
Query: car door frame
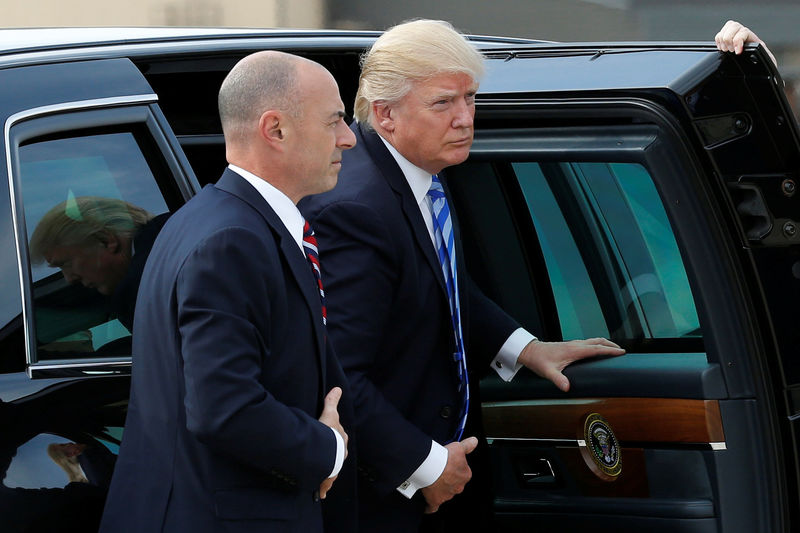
x=54, y=117
x=736, y=372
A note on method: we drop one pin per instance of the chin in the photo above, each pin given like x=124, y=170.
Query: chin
x=329, y=184
x=458, y=158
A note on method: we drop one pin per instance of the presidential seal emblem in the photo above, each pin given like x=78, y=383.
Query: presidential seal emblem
x=600, y=448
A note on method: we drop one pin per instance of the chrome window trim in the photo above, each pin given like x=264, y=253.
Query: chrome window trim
x=83, y=362
x=35, y=112
x=87, y=368
x=581, y=443
x=554, y=442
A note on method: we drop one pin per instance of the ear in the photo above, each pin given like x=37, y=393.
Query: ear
x=384, y=115
x=110, y=241
x=271, y=126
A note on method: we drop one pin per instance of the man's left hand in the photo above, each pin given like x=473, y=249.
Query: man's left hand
x=548, y=359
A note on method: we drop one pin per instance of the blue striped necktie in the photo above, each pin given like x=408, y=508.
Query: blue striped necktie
x=445, y=248
x=310, y=247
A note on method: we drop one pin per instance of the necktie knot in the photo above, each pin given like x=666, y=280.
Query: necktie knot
x=308, y=236
x=436, y=191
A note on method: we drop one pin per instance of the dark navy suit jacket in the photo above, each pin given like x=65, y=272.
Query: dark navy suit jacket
x=389, y=319
x=123, y=300
x=230, y=368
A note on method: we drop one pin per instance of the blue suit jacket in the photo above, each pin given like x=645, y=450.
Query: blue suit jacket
x=230, y=368
x=389, y=319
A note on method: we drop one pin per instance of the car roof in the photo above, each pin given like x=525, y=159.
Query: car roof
x=14, y=42
x=562, y=67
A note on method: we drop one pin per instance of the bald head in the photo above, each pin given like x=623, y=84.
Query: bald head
x=283, y=121
x=259, y=82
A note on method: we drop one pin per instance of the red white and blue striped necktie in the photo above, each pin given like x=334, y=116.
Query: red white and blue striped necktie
x=446, y=250
x=312, y=254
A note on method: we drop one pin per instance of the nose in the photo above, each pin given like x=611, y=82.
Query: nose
x=345, y=138
x=463, y=114
x=70, y=276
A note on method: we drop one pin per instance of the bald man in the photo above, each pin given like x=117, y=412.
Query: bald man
x=233, y=422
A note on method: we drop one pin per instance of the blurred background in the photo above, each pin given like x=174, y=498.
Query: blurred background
x=776, y=21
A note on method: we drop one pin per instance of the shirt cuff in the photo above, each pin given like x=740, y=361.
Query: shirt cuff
x=337, y=464
x=506, y=362
x=427, y=473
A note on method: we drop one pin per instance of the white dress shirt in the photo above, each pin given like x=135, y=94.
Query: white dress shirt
x=290, y=216
x=505, y=362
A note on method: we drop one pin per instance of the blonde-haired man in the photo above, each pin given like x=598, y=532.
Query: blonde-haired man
x=101, y=243
x=413, y=336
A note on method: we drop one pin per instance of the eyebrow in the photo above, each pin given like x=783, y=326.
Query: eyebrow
x=444, y=94
x=452, y=94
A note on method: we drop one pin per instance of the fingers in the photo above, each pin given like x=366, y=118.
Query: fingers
x=719, y=38
x=430, y=509
x=601, y=341
x=733, y=36
x=584, y=349
x=455, y=476
x=725, y=36
x=332, y=399
x=557, y=378
x=469, y=444
x=548, y=359
x=742, y=36
x=326, y=486
x=330, y=415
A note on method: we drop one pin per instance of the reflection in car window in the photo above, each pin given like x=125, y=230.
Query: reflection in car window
x=52, y=483
x=87, y=201
x=610, y=252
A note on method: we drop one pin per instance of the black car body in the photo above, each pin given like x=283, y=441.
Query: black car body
x=644, y=192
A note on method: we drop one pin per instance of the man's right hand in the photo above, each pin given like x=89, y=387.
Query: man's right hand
x=454, y=477
x=330, y=417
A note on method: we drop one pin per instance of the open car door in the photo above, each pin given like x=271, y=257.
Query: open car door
x=646, y=194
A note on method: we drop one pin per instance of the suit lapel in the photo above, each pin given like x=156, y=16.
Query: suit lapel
x=298, y=264
x=397, y=181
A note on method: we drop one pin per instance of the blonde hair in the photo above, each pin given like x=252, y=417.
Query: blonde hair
x=69, y=464
x=78, y=220
x=410, y=52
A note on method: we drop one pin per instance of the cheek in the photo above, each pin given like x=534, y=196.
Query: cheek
x=76, y=267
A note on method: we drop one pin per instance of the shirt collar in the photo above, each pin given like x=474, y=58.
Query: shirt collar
x=279, y=202
x=418, y=179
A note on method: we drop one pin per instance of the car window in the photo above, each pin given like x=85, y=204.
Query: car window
x=610, y=252
x=87, y=198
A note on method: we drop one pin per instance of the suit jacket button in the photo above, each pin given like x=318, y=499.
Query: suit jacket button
x=445, y=411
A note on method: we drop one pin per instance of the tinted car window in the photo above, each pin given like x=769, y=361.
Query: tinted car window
x=75, y=189
x=613, y=262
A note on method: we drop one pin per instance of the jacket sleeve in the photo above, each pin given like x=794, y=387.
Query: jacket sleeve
x=487, y=328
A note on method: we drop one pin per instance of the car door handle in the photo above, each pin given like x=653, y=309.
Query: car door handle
x=537, y=472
